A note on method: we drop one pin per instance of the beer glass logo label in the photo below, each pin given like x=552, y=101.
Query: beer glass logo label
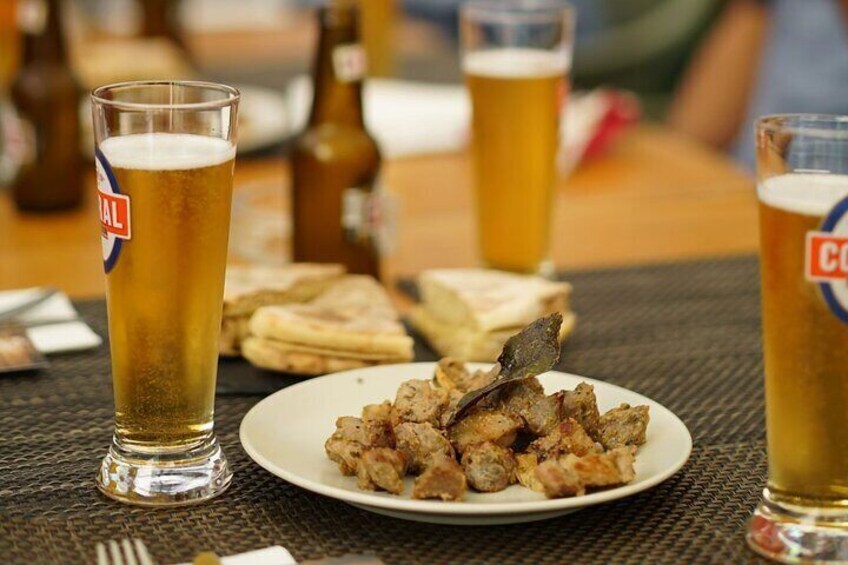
x=349, y=62
x=114, y=209
x=827, y=259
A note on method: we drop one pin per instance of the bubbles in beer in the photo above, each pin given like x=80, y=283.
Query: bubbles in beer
x=165, y=290
x=805, y=345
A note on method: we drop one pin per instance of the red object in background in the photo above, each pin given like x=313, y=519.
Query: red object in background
x=592, y=121
x=622, y=109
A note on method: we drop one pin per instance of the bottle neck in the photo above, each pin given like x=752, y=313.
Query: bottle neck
x=41, y=31
x=339, y=68
x=159, y=19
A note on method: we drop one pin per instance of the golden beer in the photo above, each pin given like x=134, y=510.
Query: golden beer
x=165, y=290
x=516, y=97
x=806, y=347
x=377, y=25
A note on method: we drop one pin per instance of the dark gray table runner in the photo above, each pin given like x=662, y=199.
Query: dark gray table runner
x=685, y=334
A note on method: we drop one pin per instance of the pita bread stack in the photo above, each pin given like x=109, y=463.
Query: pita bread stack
x=352, y=324
x=248, y=288
x=470, y=313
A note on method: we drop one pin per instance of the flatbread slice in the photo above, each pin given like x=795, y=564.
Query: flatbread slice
x=487, y=300
x=354, y=315
x=274, y=356
x=248, y=288
x=451, y=340
x=362, y=355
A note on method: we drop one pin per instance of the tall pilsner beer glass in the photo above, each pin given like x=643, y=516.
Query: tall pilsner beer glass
x=802, y=171
x=516, y=56
x=164, y=157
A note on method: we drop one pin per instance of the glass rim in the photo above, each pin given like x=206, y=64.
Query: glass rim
x=230, y=98
x=516, y=11
x=804, y=124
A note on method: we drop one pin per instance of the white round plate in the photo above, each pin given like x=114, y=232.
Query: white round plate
x=285, y=434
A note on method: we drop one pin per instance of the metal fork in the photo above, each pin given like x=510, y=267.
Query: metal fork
x=129, y=552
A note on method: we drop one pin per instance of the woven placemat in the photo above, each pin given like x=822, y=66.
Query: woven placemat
x=685, y=334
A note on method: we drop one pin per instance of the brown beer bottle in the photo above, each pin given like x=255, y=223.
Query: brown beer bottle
x=47, y=100
x=159, y=19
x=335, y=161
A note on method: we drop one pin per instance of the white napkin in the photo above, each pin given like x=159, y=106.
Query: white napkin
x=274, y=555
x=73, y=335
x=407, y=118
x=418, y=118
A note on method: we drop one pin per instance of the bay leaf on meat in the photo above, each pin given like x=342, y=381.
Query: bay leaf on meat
x=531, y=352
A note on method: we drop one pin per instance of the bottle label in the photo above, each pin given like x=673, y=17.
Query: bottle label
x=356, y=215
x=349, y=62
x=826, y=261
x=114, y=208
x=32, y=16
x=369, y=218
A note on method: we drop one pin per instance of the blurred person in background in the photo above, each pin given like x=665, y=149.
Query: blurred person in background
x=638, y=45
x=764, y=57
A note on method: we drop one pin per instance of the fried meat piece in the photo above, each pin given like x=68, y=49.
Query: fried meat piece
x=582, y=405
x=557, y=481
x=369, y=433
x=525, y=471
x=489, y=467
x=417, y=401
x=352, y=437
x=480, y=426
x=454, y=396
x=571, y=475
x=625, y=425
x=615, y=467
x=443, y=479
x=568, y=437
x=344, y=452
x=527, y=399
x=383, y=468
x=378, y=412
x=452, y=374
x=421, y=442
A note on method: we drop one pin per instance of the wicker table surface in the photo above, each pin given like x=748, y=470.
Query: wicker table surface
x=686, y=335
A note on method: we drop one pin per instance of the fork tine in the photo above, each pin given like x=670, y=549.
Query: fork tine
x=129, y=552
x=143, y=554
x=102, y=558
x=115, y=552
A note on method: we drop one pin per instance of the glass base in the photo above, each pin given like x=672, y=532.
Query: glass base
x=170, y=478
x=798, y=534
